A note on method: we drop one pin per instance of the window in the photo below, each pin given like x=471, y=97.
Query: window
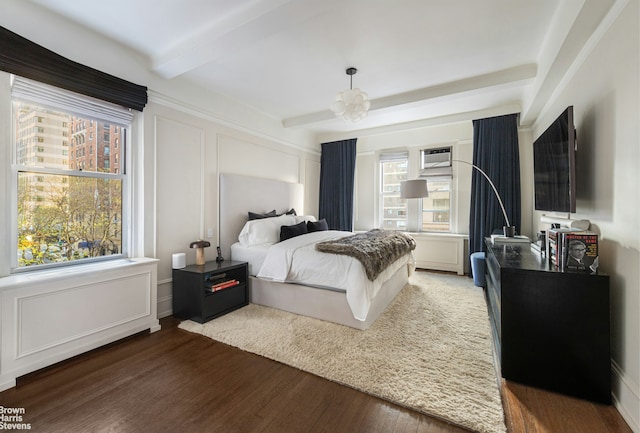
x=68, y=210
x=436, y=209
x=394, y=168
x=431, y=214
x=435, y=166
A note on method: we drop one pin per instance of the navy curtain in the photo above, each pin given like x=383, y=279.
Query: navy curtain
x=495, y=151
x=337, y=176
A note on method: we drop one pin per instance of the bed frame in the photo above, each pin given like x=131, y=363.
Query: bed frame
x=240, y=194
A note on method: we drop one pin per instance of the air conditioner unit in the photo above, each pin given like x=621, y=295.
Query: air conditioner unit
x=435, y=162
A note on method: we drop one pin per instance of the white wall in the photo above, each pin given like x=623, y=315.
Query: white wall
x=603, y=88
x=188, y=152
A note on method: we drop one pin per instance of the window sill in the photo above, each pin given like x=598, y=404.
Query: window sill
x=436, y=234
x=67, y=272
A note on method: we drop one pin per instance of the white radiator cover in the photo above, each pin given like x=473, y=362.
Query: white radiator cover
x=442, y=252
x=49, y=316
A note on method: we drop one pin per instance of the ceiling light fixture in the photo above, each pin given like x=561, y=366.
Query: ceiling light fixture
x=352, y=104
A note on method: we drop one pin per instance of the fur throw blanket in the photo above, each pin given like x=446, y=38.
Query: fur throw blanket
x=375, y=249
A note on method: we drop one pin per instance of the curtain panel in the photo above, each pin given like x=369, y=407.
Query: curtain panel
x=27, y=59
x=496, y=152
x=337, y=178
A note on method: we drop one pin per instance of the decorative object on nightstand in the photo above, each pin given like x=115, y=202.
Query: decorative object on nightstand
x=219, y=258
x=200, y=245
x=178, y=261
x=204, y=292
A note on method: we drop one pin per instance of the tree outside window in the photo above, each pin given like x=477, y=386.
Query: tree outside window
x=69, y=207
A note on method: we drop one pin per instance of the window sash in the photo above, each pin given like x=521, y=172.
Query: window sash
x=412, y=214
x=393, y=209
x=38, y=94
x=435, y=212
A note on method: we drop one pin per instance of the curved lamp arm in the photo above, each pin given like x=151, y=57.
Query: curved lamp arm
x=504, y=212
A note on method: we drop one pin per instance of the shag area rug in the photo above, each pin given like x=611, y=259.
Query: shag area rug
x=430, y=351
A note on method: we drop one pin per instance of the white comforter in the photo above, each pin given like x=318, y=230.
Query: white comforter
x=297, y=261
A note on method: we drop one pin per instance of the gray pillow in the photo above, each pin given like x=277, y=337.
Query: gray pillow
x=287, y=232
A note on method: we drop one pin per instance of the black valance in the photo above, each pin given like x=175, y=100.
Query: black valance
x=22, y=57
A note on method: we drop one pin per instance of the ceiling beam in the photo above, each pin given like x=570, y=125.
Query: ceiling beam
x=567, y=45
x=423, y=123
x=484, y=81
x=232, y=34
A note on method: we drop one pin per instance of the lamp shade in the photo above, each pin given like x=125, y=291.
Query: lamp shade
x=352, y=104
x=416, y=188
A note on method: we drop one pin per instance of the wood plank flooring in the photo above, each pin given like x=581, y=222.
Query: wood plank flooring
x=173, y=380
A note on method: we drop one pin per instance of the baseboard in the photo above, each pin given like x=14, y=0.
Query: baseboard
x=165, y=306
x=625, y=397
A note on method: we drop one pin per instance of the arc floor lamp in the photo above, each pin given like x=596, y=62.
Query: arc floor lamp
x=417, y=188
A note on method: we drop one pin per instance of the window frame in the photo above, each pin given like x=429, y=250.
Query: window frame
x=123, y=149
x=391, y=157
x=429, y=179
x=439, y=169
x=414, y=221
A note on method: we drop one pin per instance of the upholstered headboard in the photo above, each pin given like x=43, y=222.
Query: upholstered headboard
x=241, y=194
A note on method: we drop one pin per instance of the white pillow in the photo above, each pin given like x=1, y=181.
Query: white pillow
x=264, y=231
x=300, y=218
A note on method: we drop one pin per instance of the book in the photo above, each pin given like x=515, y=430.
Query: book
x=580, y=252
x=224, y=285
x=554, y=245
x=215, y=277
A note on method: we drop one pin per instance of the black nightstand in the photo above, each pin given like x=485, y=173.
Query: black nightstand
x=204, y=292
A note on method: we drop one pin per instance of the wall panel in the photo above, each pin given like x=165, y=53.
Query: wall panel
x=179, y=190
x=240, y=156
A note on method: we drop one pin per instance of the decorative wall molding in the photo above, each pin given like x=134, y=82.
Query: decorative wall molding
x=625, y=396
x=201, y=113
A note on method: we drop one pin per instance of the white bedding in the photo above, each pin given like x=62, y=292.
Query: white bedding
x=253, y=255
x=296, y=260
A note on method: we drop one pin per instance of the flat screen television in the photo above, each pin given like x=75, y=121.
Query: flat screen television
x=554, y=165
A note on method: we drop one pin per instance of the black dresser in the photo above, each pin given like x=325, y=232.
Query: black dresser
x=551, y=328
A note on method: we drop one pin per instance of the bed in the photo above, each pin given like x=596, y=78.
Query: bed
x=271, y=284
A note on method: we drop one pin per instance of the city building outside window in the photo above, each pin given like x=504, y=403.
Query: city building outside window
x=394, y=168
x=436, y=209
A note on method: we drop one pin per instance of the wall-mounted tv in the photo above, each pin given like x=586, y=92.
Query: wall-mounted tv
x=554, y=165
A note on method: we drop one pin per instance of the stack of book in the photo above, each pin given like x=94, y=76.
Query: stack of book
x=572, y=250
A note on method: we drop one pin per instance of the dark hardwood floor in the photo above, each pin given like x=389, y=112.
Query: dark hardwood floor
x=173, y=380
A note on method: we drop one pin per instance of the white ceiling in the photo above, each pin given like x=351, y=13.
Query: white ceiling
x=417, y=59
